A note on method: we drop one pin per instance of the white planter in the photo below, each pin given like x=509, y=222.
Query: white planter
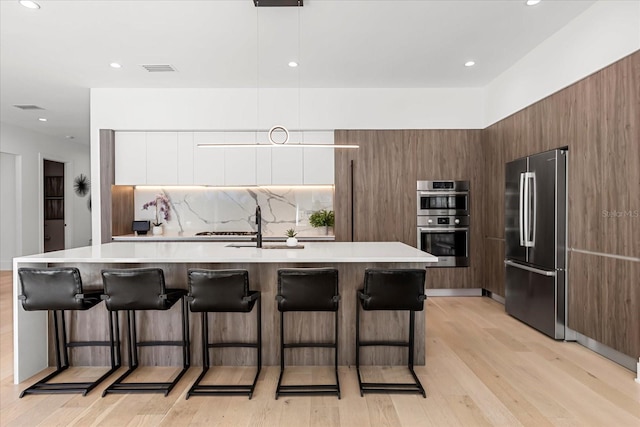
x=157, y=230
x=292, y=241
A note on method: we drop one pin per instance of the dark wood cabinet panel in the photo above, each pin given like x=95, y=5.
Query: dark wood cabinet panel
x=493, y=273
x=603, y=300
x=384, y=187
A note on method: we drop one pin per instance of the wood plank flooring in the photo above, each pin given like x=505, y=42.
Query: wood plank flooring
x=483, y=368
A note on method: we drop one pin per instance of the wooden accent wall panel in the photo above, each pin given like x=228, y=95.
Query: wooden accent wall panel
x=122, y=211
x=494, y=265
x=384, y=186
x=604, y=297
x=107, y=179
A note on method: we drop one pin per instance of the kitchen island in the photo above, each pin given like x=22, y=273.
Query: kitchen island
x=175, y=258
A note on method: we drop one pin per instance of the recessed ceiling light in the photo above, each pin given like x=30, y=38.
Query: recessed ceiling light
x=30, y=4
x=533, y=2
x=469, y=63
x=115, y=65
x=293, y=64
x=42, y=119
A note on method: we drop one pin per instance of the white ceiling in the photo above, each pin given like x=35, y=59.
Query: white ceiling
x=51, y=57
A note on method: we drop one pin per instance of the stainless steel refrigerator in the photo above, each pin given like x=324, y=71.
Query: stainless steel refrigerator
x=535, y=240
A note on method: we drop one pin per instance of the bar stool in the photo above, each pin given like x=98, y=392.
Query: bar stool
x=223, y=291
x=308, y=289
x=136, y=289
x=393, y=289
x=58, y=290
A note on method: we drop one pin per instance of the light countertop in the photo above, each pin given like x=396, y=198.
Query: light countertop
x=175, y=237
x=220, y=252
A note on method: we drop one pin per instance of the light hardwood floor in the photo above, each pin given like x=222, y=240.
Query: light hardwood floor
x=483, y=368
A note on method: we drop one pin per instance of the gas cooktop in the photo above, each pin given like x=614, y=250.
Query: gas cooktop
x=226, y=233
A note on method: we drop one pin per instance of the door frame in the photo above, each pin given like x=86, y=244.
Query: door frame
x=68, y=192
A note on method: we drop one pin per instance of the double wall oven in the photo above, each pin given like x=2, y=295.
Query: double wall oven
x=443, y=221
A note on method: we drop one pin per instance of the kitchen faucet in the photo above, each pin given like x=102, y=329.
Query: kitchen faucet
x=259, y=223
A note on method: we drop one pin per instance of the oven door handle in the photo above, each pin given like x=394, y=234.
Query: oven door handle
x=444, y=193
x=445, y=230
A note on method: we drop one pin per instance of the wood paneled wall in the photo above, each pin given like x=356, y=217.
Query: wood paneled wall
x=598, y=118
x=386, y=168
x=117, y=206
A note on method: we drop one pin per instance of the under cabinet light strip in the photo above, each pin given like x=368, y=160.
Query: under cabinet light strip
x=334, y=146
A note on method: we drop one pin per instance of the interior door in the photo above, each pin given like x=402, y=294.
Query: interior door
x=53, y=206
x=513, y=210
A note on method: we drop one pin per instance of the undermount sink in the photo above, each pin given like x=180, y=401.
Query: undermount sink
x=241, y=245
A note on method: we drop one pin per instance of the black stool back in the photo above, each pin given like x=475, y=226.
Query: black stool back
x=308, y=289
x=391, y=289
x=143, y=289
x=57, y=290
x=223, y=291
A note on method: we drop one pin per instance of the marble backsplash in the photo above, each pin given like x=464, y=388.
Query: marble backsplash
x=194, y=210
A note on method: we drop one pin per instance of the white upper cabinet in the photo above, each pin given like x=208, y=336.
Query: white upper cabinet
x=208, y=163
x=318, y=163
x=185, y=158
x=240, y=163
x=131, y=158
x=162, y=155
x=174, y=158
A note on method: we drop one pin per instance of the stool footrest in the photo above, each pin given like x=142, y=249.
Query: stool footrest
x=232, y=344
x=309, y=344
x=384, y=343
x=313, y=389
x=142, y=387
x=88, y=343
x=160, y=343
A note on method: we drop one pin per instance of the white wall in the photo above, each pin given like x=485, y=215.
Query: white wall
x=32, y=148
x=606, y=32
x=8, y=210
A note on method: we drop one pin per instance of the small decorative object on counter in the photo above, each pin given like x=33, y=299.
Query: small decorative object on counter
x=322, y=218
x=291, y=237
x=163, y=210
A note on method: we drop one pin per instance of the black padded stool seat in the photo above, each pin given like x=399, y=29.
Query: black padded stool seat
x=308, y=289
x=226, y=291
x=391, y=289
x=58, y=290
x=143, y=289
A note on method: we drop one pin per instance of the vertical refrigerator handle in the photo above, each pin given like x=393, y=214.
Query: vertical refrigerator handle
x=522, y=207
x=529, y=209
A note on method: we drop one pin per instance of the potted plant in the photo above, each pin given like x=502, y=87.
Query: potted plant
x=322, y=218
x=163, y=210
x=291, y=237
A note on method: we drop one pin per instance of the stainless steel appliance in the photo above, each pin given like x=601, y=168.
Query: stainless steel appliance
x=535, y=240
x=443, y=221
x=446, y=237
x=443, y=197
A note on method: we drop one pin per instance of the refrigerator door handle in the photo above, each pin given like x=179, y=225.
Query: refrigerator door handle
x=531, y=269
x=521, y=209
x=529, y=202
x=534, y=211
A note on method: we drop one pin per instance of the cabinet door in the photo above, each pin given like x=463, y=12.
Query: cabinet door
x=131, y=158
x=208, y=163
x=287, y=162
x=162, y=158
x=240, y=163
x=263, y=160
x=318, y=165
x=185, y=158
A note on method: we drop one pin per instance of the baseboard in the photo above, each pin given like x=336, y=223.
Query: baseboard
x=611, y=354
x=476, y=292
x=493, y=296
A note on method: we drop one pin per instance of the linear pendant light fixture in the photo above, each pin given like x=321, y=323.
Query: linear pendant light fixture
x=278, y=134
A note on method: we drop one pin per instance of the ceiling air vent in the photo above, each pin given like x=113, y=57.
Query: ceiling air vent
x=28, y=107
x=158, y=68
